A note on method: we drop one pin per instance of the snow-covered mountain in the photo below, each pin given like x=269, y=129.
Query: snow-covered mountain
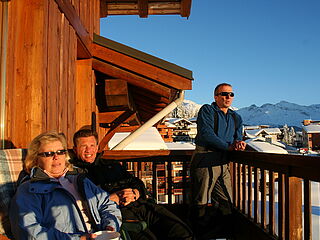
x=270, y=114
x=188, y=109
x=279, y=114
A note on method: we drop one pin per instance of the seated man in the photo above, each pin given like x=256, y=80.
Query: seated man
x=128, y=191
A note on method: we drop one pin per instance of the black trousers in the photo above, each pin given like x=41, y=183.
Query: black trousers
x=162, y=224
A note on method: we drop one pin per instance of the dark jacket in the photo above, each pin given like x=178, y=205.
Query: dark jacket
x=110, y=175
x=227, y=131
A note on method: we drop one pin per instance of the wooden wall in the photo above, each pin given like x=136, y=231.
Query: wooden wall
x=48, y=88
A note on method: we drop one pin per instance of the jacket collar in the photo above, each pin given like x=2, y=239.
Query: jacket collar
x=216, y=108
x=37, y=174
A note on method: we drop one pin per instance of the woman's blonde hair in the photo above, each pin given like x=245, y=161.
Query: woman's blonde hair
x=43, y=138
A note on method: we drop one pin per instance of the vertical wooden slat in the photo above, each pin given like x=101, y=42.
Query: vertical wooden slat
x=53, y=81
x=263, y=198
x=281, y=207
x=154, y=181
x=307, y=231
x=271, y=203
x=256, y=195
x=169, y=181
x=184, y=182
x=234, y=185
x=293, y=208
x=239, y=186
x=96, y=17
x=244, y=188
x=71, y=81
x=63, y=67
x=250, y=191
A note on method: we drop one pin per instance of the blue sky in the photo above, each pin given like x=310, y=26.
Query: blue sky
x=269, y=50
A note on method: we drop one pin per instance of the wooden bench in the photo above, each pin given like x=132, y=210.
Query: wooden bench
x=11, y=162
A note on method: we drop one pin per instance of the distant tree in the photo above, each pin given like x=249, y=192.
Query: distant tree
x=285, y=134
x=292, y=135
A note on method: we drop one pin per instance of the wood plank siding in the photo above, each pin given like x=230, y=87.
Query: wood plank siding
x=49, y=74
x=45, y=83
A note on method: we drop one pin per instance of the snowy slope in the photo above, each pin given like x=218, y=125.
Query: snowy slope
x=269, y=114
x=279, y=114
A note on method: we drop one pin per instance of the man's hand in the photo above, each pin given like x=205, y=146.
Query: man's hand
x=240, y=145
x=125, y=196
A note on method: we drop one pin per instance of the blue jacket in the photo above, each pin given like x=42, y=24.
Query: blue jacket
x=42, y=209
x=227, y=131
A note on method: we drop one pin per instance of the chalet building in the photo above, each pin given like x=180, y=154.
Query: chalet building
x=166, y=131
x=58, y=73
x=311, y=134
x=270, y=134
x=183, y=129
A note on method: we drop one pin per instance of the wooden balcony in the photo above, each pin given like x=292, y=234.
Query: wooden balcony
x=271, y=192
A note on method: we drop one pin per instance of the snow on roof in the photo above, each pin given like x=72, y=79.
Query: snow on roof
x=180, y=146
x=252, y=133
x=168, y=124
x=272, y=130
x=261, y=146
x=251, y=127
x=175, y=120
x=149, y=140
x=312, y=128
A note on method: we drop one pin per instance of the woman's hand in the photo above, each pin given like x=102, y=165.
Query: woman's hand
x=89, y=236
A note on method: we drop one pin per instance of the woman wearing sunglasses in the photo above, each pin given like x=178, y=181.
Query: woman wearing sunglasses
x=56, y=202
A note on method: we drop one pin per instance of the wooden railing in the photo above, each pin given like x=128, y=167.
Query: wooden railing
x=261, y=181
x=251, y=190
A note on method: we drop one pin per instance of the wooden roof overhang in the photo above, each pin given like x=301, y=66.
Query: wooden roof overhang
x=143, y=8
x=133, y=86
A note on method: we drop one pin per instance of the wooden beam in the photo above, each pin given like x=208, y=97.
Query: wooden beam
x=142, y=68
x=155, y=98
x=116, y=125
x=129, y=154
x=85, y=41
x=103, y=8
x=117, y=94
x=131, y=78
x=154, y=8
x=110, y=117
x=185, y=8
x=143, y=8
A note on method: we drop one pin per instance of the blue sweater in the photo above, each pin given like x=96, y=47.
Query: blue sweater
x=227, y=131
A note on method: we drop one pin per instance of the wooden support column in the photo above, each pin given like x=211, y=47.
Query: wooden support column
x=85, y=86
x=293, y=208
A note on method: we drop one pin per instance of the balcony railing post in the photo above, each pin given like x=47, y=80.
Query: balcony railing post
x=293, y=210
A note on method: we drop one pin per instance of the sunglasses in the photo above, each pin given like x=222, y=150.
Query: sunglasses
x=51, y=154
x=225, y=94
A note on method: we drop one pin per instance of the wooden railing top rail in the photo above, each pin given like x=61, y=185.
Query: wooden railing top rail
x=301, y=166
x=291, y=164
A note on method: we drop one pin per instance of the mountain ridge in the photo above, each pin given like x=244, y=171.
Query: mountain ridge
x=274, y=115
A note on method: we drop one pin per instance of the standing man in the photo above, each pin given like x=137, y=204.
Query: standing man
x=219, y=129
x=127, y=191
